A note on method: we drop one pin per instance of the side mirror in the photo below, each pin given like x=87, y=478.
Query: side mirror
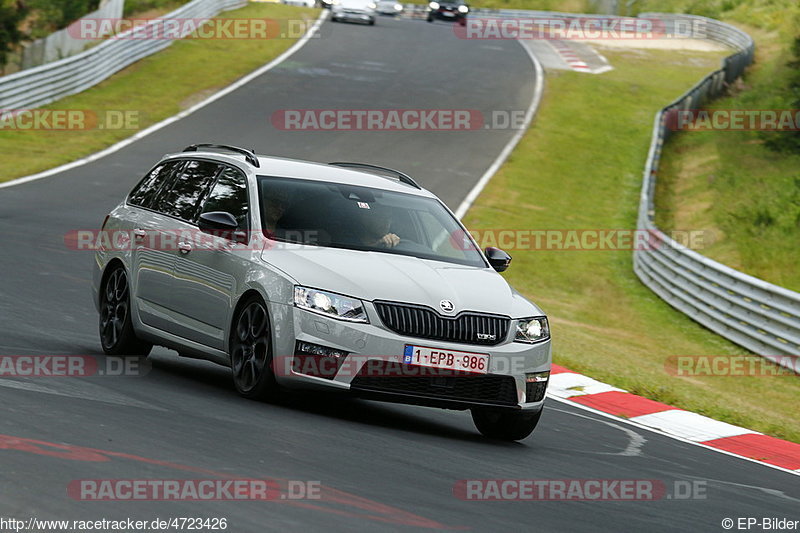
x=497, y=258
x=218, y=223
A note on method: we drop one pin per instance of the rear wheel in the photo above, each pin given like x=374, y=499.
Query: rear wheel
x=505, y=425
x=251, y=352
x=116, y=328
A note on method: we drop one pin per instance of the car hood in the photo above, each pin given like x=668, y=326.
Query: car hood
x=400, y=278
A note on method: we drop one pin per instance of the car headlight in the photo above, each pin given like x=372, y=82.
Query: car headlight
x=532, y=330
x=463, y=9
x=398, y=7
x=330, y=304
x=434, y=5
x=372, y=5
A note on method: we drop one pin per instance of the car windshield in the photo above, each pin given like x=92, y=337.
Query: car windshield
x=362, y=218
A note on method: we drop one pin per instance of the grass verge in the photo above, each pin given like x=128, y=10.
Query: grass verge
x=729, y=182
x=581, y=167
x=156, y=87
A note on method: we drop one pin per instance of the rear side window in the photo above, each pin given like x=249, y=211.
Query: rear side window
x=147, y=189
x=182, y=195
x=230, y=194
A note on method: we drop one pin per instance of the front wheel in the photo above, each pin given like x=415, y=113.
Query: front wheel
x=430, y=18
x=116, y=328
x=505, y=425
x=251, y=352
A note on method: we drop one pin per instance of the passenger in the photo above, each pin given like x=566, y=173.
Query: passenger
x=275, y=207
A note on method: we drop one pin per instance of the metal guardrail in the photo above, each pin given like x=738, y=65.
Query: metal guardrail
x=760, y=316
x=46, y=83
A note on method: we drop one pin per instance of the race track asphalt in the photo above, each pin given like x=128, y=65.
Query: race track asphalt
x=383, y=467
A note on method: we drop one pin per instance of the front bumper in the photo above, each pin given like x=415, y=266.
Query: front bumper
x=374, y=366
x=362, y=16
x=453, y=16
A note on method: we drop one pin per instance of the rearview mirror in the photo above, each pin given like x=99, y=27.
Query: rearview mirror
x=497, y=258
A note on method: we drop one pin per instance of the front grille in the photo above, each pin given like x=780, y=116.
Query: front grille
x=424, y=322
x=421, y=382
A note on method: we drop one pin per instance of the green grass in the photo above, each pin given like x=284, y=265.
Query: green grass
x=580, y=167
x=136, y=7
x=158, y=87
x=728, y=182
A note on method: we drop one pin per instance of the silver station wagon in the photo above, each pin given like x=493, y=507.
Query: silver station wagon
x=340, y=277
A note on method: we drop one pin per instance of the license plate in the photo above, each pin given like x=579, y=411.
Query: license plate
x=477, y=363
x=448, y=14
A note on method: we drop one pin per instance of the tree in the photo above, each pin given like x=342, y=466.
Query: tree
x=12, y=13
x=52, y=15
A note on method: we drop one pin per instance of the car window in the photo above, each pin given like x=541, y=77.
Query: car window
x=145, y=192
x=182, y=195
x=341, y=215
x=230, y=194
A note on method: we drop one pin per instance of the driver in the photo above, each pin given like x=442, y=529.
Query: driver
x=375, y=226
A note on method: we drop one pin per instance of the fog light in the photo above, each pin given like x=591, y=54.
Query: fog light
x=318, y=361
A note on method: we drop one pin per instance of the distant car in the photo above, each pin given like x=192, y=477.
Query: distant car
x=390, y=7
x=355, y=10
x=301, y=3
x=449, y=10
x=341, y=277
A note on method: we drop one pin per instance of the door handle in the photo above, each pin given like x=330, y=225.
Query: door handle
x=139, y=234
x=184, y=247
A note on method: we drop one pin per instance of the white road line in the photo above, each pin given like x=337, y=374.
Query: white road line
x=675, y=437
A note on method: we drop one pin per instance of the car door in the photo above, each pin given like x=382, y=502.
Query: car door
x=176, y=206
x=151, y=263
x=209, y=268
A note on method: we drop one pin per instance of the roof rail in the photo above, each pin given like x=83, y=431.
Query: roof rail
x=405, y=178
x=249, y=155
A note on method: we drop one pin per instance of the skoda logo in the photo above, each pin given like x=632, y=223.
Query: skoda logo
x=447, y=306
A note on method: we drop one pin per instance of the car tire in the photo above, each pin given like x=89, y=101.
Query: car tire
x=371, y=22
x=117, y=336
x=430, y=19
x=505, y=425
x=251, y=351
x=462, y=22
